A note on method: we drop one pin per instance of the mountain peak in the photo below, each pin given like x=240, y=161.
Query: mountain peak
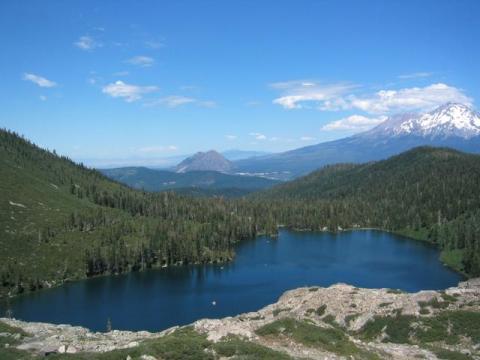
x=203, y=161
x=446, y=121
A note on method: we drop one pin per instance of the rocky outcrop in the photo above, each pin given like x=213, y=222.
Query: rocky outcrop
x=340, y=307
x=46, y=338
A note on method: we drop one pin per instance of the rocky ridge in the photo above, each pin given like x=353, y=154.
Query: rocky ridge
x=360, y=323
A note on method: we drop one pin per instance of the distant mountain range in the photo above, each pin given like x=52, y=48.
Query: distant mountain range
x=190, y=182
x=451, y=125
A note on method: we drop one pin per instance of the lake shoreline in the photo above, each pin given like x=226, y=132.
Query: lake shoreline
x=344, y=308
x=57, y=284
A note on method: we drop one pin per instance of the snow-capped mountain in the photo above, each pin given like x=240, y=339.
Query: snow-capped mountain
x=449, y=120
x=451, y=125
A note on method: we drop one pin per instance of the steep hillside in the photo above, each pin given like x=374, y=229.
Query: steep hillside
x=161, y=180
x=61, y=221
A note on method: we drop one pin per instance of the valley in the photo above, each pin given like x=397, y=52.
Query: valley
x=206, y=182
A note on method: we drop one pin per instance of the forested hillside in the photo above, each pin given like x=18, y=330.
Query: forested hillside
x=61, y=221
x=427, y=193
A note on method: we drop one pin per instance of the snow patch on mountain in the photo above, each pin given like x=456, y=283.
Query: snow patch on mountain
x=449, y=120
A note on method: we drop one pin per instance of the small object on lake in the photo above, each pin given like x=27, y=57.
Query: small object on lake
x=214, y=303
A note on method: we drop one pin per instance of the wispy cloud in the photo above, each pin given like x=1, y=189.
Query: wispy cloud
x=120, y=73
x=87, y=43
x=207, y=104
x=157, y=149
x=43, y=97
x=231, y=137
x=296, y=94
x=344, y=96
x=415, y=75
x=154, y=44
x=354, y=123
x=258, y=136
x=39, y=80
x=142, y=61
x=253, y=103
x=128, y=92
x=307, y=138
x=174, y=101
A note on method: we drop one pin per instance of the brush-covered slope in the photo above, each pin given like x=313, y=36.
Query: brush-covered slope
x=61, y=221
x=161, y=180
x=427, y=193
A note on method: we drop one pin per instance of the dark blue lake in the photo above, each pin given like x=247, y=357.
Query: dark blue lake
x=263, y=269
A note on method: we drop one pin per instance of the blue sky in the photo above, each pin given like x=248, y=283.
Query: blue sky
x=136, y=81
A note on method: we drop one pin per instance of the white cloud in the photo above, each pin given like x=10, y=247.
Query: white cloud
x=408, y=99
x=231, y=137
x=126, y=91
x=307, y=138
x=43, y=97
x=87, y=43
x=142, y=61
x=415, y=75
x=298, y=92
x=344, y=96
x=39, y=80
x=157, y=149
x=258, y=136
x=354, y=123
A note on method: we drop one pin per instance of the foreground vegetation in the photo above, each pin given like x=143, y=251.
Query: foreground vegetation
x=61, y=221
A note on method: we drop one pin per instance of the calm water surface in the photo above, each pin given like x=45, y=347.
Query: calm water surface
x=263, y=269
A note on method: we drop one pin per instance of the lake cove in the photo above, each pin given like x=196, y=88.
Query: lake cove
x=263, y=269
